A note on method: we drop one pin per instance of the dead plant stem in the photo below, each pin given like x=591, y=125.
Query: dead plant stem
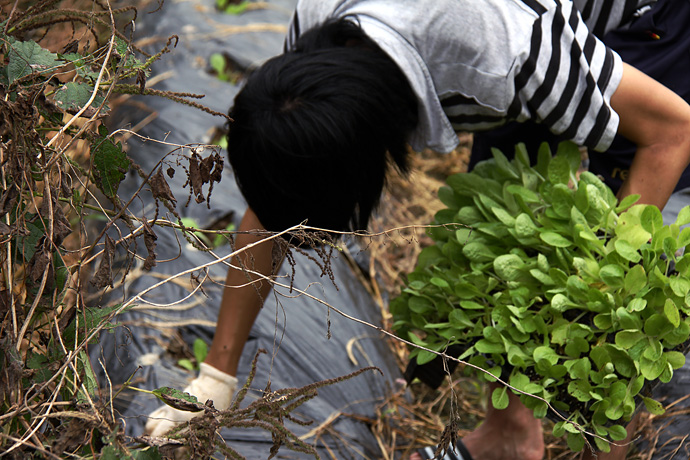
x=8, y=262
x=44, y=277
x=96, y=85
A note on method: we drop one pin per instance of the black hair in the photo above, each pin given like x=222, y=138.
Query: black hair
x=316, y=130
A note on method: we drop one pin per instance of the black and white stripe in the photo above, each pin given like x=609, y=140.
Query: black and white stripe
x=293, y=33
x=601, y=16
x=565, y=80
x=553, y=69
x=451, y=454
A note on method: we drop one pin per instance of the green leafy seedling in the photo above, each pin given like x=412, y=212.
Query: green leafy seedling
x=545, y=276
x=200, y=349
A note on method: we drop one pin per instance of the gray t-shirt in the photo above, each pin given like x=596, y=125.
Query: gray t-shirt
x=476, y=64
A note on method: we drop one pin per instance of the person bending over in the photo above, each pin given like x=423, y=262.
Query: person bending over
x=317, y=129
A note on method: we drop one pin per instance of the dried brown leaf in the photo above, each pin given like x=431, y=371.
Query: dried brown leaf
x=8, y=199
x=38, y=263
x=150, y=242
x=160, y=187
x=104, y=275
x=195, y=179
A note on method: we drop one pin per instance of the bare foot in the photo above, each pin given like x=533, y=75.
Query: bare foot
x=512, y=433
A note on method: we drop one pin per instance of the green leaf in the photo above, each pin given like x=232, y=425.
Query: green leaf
x=499, y=398
x=580, y=369
x=543, y=159
x=559, y=170
x=652, y=369
x=518, y=191
x=508, y=266
x=575, y=442
x=628, y=338
x=231, y=8
x=420, y=305
x=28, y=57
x=562, y=200
x=653, y=350
x=200, y=350
x=559, y=429
x=541, y=277
x=635, y=280
x=74, y=95
x=524, y=226
x=187, y=364
x=471, y=305
x=612, y=275
x=131, y=62
x=656, y=325
x=439, y=282
x=81, y=64
x=571, y=152
x=651, y=219
x=678, y=335
x=671, y=312
x=555, y=240
x=683, y=216
x=637, y=304
x=86, y=321
x=628, y=227
x=602, y=445
x=654, y=407
x=561, y=303
x=617, y=432
x=424, y=357
x=675, y=358
x=109, y=163
x=478, y=252
x=217, y=62
x=39, y=363
x=149, y=453
x=627, y=251
x=484, y=346
x=622, y=361
x=680, y=286
x=545, y=353
x=627, y=202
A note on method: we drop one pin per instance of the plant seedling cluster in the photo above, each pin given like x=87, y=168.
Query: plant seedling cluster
x=551, y=284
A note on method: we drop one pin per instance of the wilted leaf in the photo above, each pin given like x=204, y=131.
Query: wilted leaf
x=150, y=242
x=104, y=274
x=160, y=187
x=178, y=399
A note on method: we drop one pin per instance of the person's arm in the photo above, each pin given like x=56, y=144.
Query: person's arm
x=242, y=300
x=658, y=121
x=240, y=305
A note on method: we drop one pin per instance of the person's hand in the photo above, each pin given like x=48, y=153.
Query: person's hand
x=210, y=384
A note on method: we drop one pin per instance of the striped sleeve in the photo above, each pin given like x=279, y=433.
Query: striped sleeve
x=292, y=34
x=567, y=79
x=602, y=16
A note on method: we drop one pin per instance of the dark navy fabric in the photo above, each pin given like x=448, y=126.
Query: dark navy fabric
x=658, y=44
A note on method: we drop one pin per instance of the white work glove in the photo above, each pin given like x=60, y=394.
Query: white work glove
x=210, y=384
